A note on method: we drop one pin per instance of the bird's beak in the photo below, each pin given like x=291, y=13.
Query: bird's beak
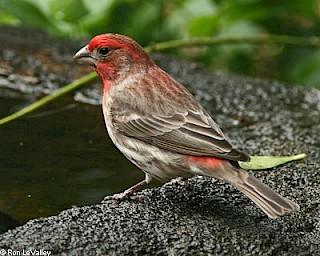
x=84, y=56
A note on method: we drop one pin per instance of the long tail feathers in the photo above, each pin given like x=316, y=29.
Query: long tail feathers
x=270, y=202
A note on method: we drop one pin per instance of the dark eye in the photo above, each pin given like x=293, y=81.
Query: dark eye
x=103, y=50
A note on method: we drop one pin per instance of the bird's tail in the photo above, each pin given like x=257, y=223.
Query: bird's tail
x=270, y=202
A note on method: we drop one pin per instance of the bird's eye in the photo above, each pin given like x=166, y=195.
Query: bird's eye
x=103, y=50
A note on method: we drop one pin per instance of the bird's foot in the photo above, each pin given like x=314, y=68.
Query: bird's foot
x=130, y=191
x=121, y=196
x=177, y=181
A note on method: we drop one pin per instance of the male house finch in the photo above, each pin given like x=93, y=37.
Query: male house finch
x=160, y=127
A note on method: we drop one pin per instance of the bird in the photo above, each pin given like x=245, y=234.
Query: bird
x=160, y=127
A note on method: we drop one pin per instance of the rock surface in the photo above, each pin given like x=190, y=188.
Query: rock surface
x=203, y=216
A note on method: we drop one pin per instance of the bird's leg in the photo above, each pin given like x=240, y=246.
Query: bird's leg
x=128, y=192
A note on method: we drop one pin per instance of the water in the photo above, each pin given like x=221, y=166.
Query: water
x=54, y=160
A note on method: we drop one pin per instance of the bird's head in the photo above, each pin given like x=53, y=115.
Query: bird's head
x=112, y=55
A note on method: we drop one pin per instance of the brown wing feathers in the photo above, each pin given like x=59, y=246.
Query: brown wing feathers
x=185, y=133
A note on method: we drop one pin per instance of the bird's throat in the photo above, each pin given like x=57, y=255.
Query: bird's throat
x=106, y=87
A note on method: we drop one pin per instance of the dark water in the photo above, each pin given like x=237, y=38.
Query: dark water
x=53, y=160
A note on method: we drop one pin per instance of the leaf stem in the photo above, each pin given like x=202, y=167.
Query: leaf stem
x=254, y=39
x=49, y=98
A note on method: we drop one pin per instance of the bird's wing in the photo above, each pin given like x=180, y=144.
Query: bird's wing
x=190, y=133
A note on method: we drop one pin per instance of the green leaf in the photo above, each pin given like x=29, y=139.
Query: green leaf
x=202, y=26
x=27, y=13
x=68, y=10
x=266, y=162
x=6, y=18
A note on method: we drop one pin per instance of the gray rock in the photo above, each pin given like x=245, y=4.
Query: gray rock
x=203, y=216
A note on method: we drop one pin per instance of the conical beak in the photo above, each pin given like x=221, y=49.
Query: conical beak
x=84, y=56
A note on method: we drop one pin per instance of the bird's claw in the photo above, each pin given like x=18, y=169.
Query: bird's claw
x=121, y=196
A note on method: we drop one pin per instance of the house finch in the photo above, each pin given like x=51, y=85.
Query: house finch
x=161, y=128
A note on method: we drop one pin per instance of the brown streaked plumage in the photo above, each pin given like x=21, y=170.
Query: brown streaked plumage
x=159, y=126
